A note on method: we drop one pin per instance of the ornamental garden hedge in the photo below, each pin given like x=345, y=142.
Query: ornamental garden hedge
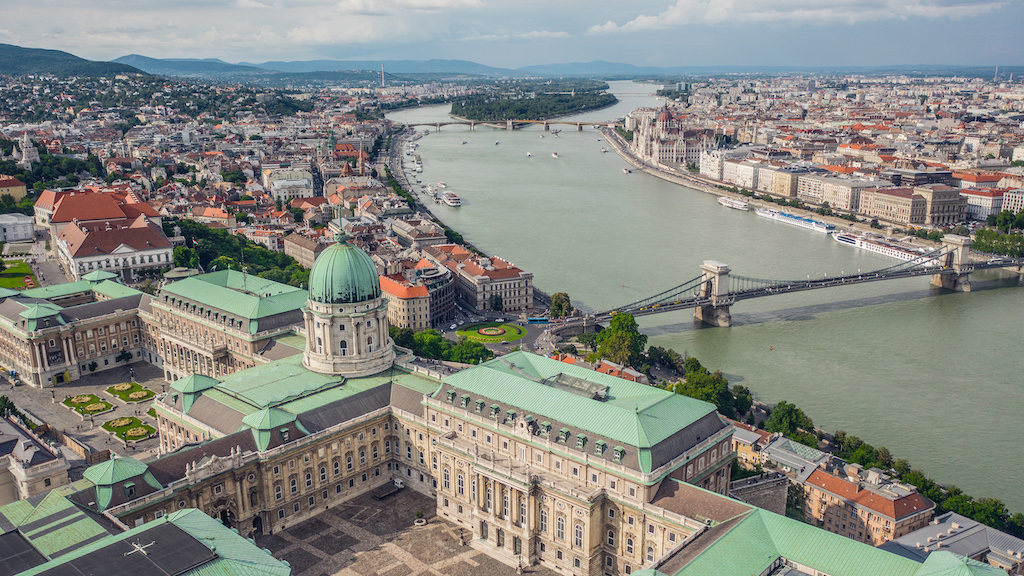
x=87, y=404
x=129, y=428
x=130, y=392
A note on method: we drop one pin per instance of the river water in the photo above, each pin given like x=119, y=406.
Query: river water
x=926, y=373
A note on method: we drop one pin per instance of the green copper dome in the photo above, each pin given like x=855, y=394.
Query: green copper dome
x=343, y=274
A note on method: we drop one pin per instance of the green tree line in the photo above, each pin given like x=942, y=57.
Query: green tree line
x=540, y=107
x=432, y=344
x=208, y=248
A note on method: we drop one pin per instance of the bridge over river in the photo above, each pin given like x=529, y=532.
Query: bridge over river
x=713, y=293
x=513, y=124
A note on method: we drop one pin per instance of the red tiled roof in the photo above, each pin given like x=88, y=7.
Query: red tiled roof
x=399, y=288
x=86, y=206
x=140, y=235
x=892, y=508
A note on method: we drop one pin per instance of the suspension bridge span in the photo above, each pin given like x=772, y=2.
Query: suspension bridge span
x=713, y=293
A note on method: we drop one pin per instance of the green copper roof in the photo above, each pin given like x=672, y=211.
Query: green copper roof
x=112, y=289
x=633, y=414
x=760, y=538
x=194, y=383
x=107, y=474
x=945, y=563
x=41, y=315
x=343, y=274
x=8, y=292
x=99, y=276
x=58, y=290
x=54, y=526
x=115, y=470
x=242, y=295
x=264, y=421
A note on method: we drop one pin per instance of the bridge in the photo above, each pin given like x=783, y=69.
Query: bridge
x=513, y=124
x=713, y=293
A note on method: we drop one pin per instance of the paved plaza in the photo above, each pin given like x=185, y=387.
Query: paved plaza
x=45, y=404
x=367, y=537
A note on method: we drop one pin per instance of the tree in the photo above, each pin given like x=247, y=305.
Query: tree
x=402, y=336
x=622, y=342
x=277, y=203
x=185, y=257
x=468, y=351
x=224, y=263
x=560, y=305
x=430, y=344
x=124, y=356
x=496, y=303
x=791, y=421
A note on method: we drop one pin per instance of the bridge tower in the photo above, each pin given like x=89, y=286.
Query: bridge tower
x=547, y=127
x=579, y=127
x=472, y=126
x=508, y=124
x=716, y=288
x=959, y=259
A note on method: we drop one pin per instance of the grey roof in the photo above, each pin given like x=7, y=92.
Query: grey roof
x=215, y=414
x=345, y=409
x=959, y=535
x=407, y=399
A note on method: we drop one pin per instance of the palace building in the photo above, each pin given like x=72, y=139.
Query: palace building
x=541, y=462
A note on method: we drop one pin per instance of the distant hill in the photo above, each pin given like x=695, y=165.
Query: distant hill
x=18, y=61
x=390, y=67
x=603, y=69
x=189, y=68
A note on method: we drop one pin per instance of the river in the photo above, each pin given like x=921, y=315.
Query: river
x=926, y=373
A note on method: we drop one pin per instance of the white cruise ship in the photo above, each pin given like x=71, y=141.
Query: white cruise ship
x=884, y=246
x=451, y=199
x=800, y=221
x=733, y=203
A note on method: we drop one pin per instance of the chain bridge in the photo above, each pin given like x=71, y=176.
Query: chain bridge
x=511, y=124
x=713, y=293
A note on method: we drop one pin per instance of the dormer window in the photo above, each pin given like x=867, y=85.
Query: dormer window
x=545, y=428
x=480, y=405
x=563, y=435
x=129, y=490
x=599, y=447
x=581, y=441
x=465, y=400
x=618, y=454
x=510, y=417
x=451, y=396
x=495, y=409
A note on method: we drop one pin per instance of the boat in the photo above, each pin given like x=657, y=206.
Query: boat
x=800, y=221
x=442, y=185
x=554, y=154
x=733, y=203
x=541, y=135
x=626, y=170
x=496, y=142
x=528, y=154
x=884, y=246
x=451, y=199
x=464, y=142
x=603, y=150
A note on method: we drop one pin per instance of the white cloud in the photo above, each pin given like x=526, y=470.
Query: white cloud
x=691, y=12
x=385, y=7
x=252, y=4
x=532, y=35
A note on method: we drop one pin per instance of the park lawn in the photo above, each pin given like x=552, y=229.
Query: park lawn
x=126, y=390
x=87, y=404
x=14, y=276
x=512, y=332
x=151, y=413
x=121, y=427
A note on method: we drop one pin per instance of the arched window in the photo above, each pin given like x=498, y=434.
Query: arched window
x=629, y=545
x=650, y=554
x=344, y=348
x=277, y=492
x=543, y=520
x=369, y=343
x=323, y=474
x=447, y=479
x=362, y=457
x=560, y=528
x=348, y=462
x=578, y=535
x=611, y=537
x=337, y=467
x=387, y=446
x=309, y=479
x=319, y=345
x=460, y=485
x=293, y=485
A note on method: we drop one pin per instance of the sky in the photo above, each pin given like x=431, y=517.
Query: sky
x=514, y=33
